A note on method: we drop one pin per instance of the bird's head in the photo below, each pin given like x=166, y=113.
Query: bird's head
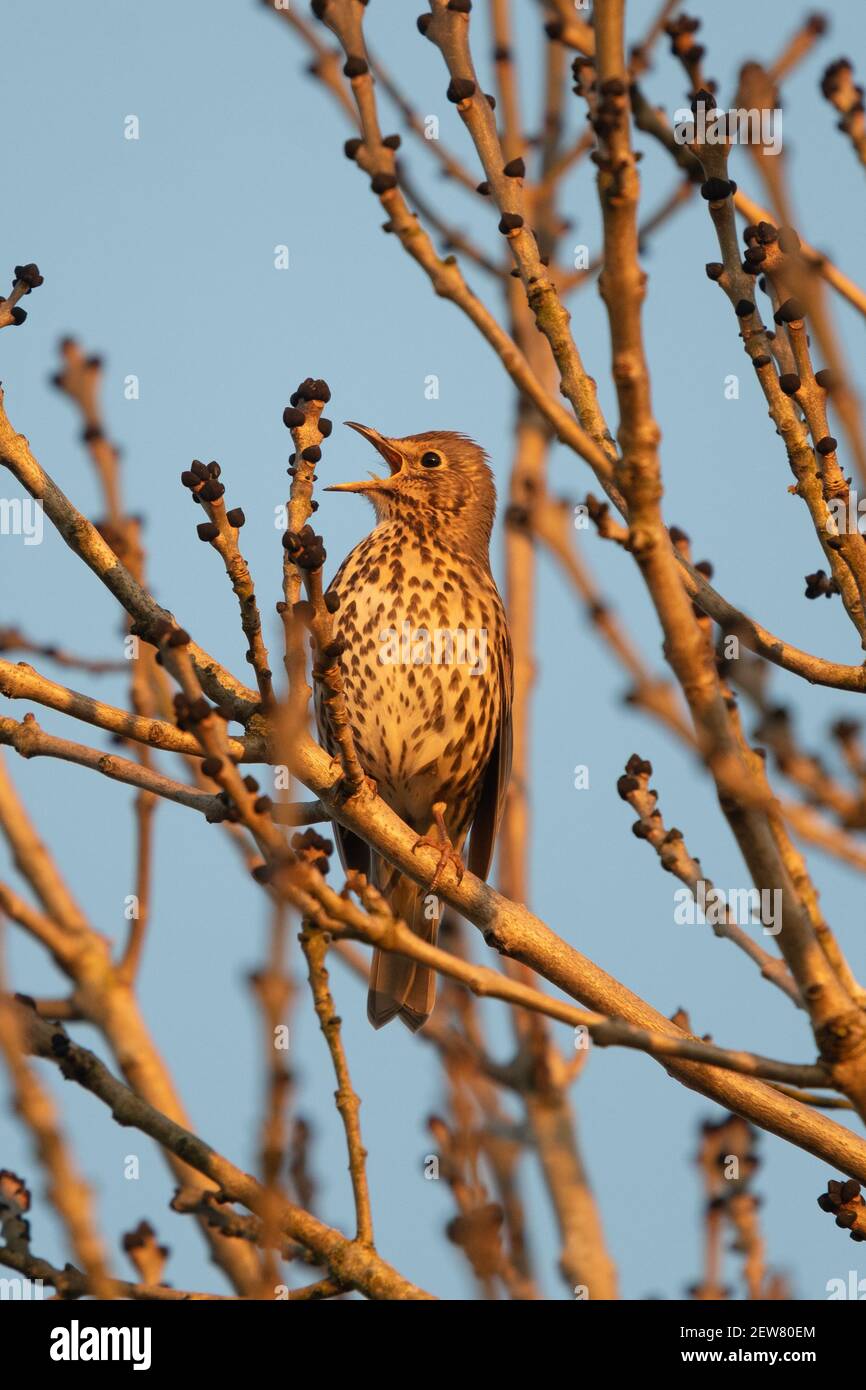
x=438, y=478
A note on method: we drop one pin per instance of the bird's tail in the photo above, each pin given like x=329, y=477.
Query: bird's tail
x=401, y=988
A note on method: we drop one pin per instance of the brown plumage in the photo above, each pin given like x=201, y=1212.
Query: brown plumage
x=428, y=679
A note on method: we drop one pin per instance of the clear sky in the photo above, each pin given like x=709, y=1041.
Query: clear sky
x=159, y=253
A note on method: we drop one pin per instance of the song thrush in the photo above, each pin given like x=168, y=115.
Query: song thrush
x=428, y=680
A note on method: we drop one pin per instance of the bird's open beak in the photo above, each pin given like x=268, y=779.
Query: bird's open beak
x=383, y=446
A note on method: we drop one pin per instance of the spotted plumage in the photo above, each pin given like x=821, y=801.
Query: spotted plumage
x=427, y=673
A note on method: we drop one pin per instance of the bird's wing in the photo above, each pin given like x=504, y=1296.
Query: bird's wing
x=485, y=825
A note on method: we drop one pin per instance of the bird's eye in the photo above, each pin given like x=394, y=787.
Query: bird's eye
x=431, y=460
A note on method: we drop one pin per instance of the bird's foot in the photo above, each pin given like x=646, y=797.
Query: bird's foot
x=447, y=853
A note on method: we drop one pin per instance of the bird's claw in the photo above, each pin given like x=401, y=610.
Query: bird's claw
x=447, y=853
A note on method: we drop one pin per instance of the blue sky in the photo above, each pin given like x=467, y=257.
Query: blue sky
x=159, y=253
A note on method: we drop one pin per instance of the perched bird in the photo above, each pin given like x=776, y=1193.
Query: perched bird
x=428, y=680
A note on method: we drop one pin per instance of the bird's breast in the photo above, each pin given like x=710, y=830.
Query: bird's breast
x=423, y=625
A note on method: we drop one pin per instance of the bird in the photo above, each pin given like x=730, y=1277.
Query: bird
x=428, y=682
